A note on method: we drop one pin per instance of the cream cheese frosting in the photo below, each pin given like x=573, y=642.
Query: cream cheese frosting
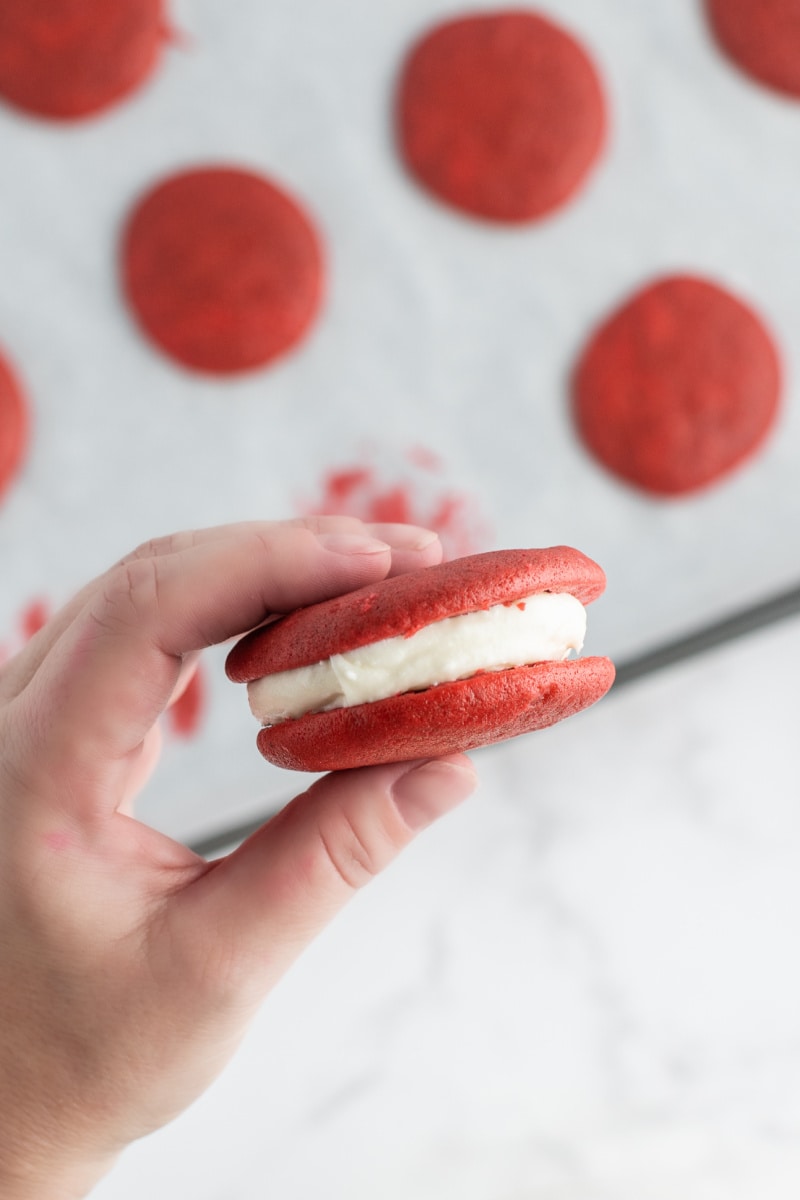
x=546, y=627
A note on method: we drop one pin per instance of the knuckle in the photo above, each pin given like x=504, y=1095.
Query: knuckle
x=358, y=848
x=324, y=523
x=130, y=593
x=171, y=543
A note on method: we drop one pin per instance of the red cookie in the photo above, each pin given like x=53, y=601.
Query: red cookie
x=222, y=268
x=72, y=58
x=762, y=37
x=677, y=387
x=442, y=719
x=500, y=114
x=13, y=425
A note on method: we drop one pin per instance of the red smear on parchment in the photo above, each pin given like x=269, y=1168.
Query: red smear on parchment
x=32, y=617
x=173, y=35
x=407, y=493
x=14, y=424
x=35, y=615
x=187, y=713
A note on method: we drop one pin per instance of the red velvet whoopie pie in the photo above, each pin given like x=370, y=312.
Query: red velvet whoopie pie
x=322, y=728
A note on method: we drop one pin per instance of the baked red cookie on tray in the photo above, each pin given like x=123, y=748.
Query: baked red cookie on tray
x=66, y=59
x=500, y=114
x=677, y=387
x=762, y=37
x=223, y=268
x=441, y=660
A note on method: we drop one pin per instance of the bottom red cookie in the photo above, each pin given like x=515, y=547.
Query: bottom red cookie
x=446, y=719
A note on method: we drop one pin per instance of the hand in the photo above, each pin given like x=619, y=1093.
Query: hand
x=129, y=966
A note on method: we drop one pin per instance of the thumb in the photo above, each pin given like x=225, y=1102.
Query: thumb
x=257, y=909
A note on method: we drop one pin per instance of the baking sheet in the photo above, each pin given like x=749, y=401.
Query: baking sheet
x=438, y=333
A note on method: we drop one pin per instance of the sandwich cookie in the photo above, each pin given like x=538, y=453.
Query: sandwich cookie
x=433, y=662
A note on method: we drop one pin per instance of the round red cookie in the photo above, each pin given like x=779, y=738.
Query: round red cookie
x=762, y=37
x=13, y=425
x=72, y=58
x=500, y=114
x=444, y=719
x=677, y=387
x=222, y=268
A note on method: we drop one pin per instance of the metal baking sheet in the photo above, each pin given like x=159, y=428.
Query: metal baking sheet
x=439, y=335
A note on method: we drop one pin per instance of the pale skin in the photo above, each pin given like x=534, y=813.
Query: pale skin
x=130, y=967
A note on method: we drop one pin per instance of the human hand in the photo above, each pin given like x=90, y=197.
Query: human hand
x=129, y=966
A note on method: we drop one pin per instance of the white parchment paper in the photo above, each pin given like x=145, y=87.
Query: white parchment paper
x=438, y=331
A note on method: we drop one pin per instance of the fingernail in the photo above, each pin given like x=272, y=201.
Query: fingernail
x=351, y=543
x=405, y=537
x=431, y=789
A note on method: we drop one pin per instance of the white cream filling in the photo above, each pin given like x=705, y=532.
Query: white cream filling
x=541, y=628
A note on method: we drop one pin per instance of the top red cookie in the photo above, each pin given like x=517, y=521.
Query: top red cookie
x=762, y=37
x=74, y=58
x=500, y=114
x=403, y=604
x=677, y=387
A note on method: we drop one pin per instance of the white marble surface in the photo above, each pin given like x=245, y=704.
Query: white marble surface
x=584, y=985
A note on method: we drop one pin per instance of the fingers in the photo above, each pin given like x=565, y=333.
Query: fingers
x=258, y=908
x=112, y=672
x=20, y=670
x=411, y=548
x=144, y=762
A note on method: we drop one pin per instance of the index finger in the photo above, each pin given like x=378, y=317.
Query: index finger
x=411, y=547
x=110, y=675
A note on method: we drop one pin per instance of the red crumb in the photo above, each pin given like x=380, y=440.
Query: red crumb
x=403, y=492
x=173, y=35
x=422, y=457
x=186, y=714
x=341, y=485
x=392, y=505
